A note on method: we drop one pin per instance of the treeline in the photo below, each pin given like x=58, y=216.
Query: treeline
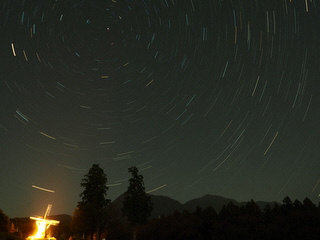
x=7, y=229
x=290, y=220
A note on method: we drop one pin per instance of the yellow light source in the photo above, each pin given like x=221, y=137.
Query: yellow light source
x=42, y=225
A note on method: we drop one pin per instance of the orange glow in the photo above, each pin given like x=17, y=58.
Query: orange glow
x=42, y=225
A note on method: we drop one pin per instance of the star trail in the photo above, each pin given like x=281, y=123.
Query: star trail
x=204, y=96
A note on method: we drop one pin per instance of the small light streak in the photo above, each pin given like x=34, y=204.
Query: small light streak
x=255, y=86
x=153, y=190
x=48, y=136
x=271, y=143
x=307, y=8
x=149, y=83
x=83, y=106
x=113, y=185
x=13, y=50
x=314, y=188
x=25, y=55
x=43, y=189
x=72, y=168
x=38, y=57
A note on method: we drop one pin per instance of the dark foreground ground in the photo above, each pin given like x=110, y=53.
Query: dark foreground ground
x=9, y=236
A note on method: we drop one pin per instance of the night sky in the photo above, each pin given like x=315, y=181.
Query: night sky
x=216, y=97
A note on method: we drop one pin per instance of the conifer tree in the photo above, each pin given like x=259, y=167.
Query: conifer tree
x=90, y=214
x=4, y=222
x=137, y=205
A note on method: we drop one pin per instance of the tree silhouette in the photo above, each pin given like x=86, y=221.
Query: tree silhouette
x=235, y=221
x=137, y=205
x=90, y=214
x=4, y=222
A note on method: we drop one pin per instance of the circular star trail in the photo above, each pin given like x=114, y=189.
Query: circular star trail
x=204, y=97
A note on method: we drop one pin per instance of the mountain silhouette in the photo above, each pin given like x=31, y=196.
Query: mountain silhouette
x=163, y=205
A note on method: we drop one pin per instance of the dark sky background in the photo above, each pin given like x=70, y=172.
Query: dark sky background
x=204, y=96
